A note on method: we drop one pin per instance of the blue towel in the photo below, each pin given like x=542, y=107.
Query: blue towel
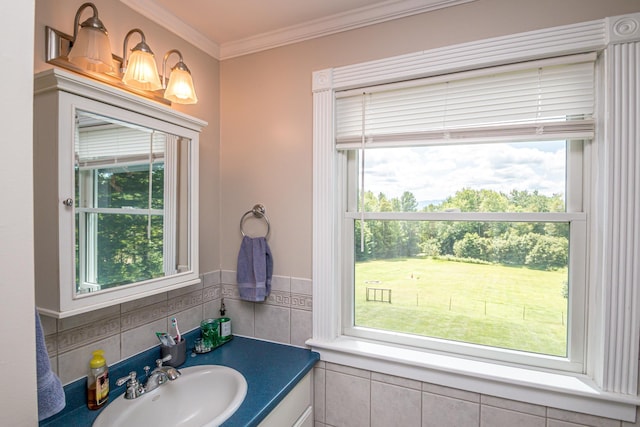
x=255, y=268
x=51, y=399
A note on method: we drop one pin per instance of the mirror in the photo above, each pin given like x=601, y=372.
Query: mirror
x=131, y=203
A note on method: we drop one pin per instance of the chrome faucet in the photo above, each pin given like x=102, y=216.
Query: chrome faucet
x=134, y=388
x=157, y=377
x=160, y=374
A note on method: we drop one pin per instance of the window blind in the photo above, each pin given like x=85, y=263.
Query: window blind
x=116, y=144
x=545, y=99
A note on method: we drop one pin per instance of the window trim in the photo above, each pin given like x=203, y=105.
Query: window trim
x=609, y=387
x=574, y=362
x=88, y=227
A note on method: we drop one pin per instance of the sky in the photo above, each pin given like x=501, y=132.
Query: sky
x=434, y=173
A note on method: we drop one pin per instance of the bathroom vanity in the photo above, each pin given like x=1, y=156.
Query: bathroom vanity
x=279, y=379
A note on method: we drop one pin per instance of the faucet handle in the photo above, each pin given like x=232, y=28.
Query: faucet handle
x=133, y=387
x=132, y=377
x=159, y=362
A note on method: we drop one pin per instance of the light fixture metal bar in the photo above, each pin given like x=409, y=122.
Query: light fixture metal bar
x=58, y=45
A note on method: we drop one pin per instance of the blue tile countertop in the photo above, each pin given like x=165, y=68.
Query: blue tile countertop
x=271, y=371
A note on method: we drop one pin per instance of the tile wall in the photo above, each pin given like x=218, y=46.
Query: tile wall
x=127, y=329
x=343, y=396
x=349, y=397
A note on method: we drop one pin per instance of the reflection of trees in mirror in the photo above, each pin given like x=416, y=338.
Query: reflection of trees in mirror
x=128, y=186
x=129, y=251
x=128, y=246
x=126, y=253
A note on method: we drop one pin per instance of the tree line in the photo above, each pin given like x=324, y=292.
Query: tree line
x=537, y=245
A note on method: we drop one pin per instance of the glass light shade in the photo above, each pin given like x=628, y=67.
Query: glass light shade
x=142, y=72
x=92, y=51
x=180, y=88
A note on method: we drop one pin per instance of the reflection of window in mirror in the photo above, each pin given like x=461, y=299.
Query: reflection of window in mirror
x=130, y=192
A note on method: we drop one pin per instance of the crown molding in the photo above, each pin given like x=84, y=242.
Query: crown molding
x=161, y=16
x=333, y=24
x=357, y=18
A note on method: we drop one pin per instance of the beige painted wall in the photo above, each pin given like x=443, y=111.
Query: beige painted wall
x=17, y=360
x=119, y=19
x=266, y=108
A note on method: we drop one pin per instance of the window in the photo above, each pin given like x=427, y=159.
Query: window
x=473, y=245
x=599, y=167
x=466, y=243
x=122, y=222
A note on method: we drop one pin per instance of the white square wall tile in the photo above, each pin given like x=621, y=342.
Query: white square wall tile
x=229, y=277
x=319, y=394
x=281, y=283
x=242, y=317
x=556, y=423
x=143, y=302
x=211, y=309
x=454, y=393
x=74, y=364
x=513, y=405
x=184, y=291
x=392, y=405
x=142, y=338
x=497, y=417
x=442, y=411
x=301, y=327
x=301, y=286
x=273, y=323
x=581, y=419
x=187, y=320
x=211, y=278
x=347, y=400
x=49, y=325
x=53, y=362
x=395, y=380
x=363, y=373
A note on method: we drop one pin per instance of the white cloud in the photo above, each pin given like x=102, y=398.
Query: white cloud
x=434, y=173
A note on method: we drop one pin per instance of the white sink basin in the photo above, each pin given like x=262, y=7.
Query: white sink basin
x=205, y=395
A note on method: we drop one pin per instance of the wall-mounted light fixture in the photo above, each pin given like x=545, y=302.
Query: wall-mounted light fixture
x=140, y=70
x=91, y=45
x=180, y=87
x=88, y=52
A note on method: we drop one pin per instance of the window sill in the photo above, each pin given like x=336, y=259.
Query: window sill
x=568, y=391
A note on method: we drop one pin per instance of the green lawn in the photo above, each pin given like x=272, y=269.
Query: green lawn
x=507, y=307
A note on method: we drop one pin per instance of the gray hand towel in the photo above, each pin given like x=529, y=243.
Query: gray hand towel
x=255, y=268
x=51, y=398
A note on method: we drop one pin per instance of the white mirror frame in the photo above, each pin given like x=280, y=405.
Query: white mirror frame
x=65, y=93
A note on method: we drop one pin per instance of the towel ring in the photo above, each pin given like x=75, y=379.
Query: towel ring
x=259, y=212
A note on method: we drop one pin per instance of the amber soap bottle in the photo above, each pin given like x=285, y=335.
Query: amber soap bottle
x=97, y=381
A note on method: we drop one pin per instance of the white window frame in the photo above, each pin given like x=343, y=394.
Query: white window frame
x=608, y=385
x=88, y=227
x=574, y=215
x=137, y=137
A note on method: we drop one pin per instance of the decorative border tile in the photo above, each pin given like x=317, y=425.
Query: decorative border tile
x=302, y=302
x=211, y=292
x=279, y=298
x=78, y=337
x=230, y=291
x=143, y=316
x=183, y=302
